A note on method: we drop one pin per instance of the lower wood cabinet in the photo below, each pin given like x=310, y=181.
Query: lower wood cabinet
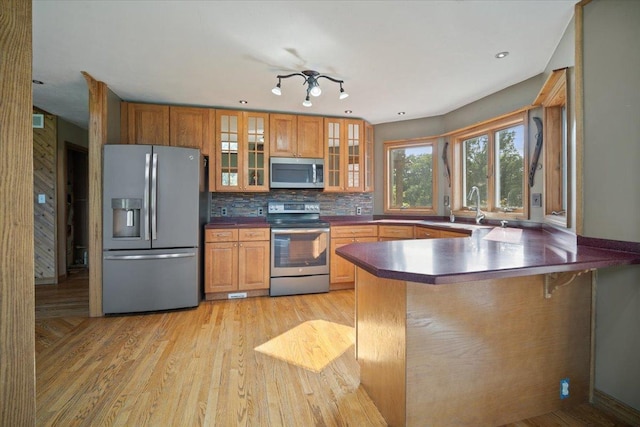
x=342, y=272
x=395, y=232
x=421, y=232
x=236, y=260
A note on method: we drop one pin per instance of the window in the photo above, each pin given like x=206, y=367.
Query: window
x=410, y=176
x=492, y=157
x=553, y=98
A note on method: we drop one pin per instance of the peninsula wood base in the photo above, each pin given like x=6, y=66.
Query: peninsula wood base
x=473, y=353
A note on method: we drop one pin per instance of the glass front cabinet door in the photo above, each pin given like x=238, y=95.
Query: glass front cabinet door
x=242, y=152
x=343, y=155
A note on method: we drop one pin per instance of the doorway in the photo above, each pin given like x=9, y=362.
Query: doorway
x=76, y=208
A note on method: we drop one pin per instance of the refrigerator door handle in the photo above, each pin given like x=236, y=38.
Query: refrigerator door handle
x=147, y=165
x=158, y=256
x=154, y=197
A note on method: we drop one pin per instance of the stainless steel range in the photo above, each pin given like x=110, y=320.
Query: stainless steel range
x=299, y=248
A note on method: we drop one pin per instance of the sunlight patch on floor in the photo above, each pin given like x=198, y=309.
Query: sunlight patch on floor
x=311, y=345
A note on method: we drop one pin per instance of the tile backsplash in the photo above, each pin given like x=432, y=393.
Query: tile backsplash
x=248, y=204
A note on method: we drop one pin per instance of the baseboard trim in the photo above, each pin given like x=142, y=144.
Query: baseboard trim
x=622, y=411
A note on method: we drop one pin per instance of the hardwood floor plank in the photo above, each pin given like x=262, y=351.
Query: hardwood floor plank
x=199, y=368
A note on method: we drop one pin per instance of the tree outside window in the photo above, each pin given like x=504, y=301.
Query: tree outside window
x=410, y=176
x=492, y=157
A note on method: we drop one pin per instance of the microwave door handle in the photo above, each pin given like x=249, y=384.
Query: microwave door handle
x=313, y=167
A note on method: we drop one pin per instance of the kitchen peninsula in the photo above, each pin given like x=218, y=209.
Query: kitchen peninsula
x=484, y=330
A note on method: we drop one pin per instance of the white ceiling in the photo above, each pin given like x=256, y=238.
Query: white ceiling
x=425, y=58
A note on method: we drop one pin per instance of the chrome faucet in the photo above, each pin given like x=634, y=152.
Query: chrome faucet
x=479, y=214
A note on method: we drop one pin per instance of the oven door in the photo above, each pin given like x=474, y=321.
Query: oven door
x=299, y=251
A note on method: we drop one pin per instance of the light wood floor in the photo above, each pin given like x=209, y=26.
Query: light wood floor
x=199, y=367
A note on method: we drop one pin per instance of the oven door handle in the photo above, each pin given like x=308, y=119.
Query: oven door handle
x=299, y=230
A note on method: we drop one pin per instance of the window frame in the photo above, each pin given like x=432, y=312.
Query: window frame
x=489, y=128
x=557, y=152
x=409, y=143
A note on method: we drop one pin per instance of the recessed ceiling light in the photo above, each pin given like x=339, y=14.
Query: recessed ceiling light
x=501, y=55
x=348, y=111
x=242, y=101
x=37, y=82
x=401, y=113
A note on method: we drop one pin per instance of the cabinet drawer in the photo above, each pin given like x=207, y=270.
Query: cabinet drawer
x=221, y=235
x=396, y=231
x=426, y=233
x=369, y=230
x=446, y=234
x=253, y=234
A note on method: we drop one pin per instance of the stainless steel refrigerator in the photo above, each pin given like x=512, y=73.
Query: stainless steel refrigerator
x=151, y=257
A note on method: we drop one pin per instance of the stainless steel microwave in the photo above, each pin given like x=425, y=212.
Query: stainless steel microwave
x=293, y=172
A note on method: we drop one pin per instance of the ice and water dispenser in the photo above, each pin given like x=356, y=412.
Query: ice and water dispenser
x=126, y=217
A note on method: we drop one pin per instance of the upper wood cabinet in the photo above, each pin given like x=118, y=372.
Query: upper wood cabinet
x=144, y=124
x=282, y=138
x=192, y=127
x=344, y=155
x=167, y=125
x=369, y=143
x=241, y=151
x=310, y=137
x=296, y=136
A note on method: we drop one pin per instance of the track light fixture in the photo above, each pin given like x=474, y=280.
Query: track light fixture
x=311, y=80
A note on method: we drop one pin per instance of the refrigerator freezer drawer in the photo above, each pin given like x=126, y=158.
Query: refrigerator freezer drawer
x=137, y=281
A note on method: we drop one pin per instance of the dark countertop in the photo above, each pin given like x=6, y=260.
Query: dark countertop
x=240, y=222
x=486, y=254
x=250, y=222
x=489, y=253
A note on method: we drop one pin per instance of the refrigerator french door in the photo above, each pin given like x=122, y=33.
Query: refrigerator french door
x=150, y=228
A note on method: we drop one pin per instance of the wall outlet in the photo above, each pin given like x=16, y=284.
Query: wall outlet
x=223, y=211
x=536, y=200
x=260, y=211
x=237, y=295
x=564, y=388
x=42, y=199
x=358, y=210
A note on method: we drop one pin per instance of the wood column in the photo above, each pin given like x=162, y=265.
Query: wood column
x=17, y=306
x=97, y=138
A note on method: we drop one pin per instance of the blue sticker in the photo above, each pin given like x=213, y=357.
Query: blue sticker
x=564, y=388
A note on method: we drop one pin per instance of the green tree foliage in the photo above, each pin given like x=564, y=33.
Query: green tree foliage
x=510, y=168
x=476, y=162
x=511, y=171
x=412, y=185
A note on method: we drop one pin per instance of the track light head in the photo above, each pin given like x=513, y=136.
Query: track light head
x=313, y=87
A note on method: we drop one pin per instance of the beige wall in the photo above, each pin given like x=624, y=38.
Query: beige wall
x=504, y=101
x=611, y=159
x=611, y=197
x=407, y=129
